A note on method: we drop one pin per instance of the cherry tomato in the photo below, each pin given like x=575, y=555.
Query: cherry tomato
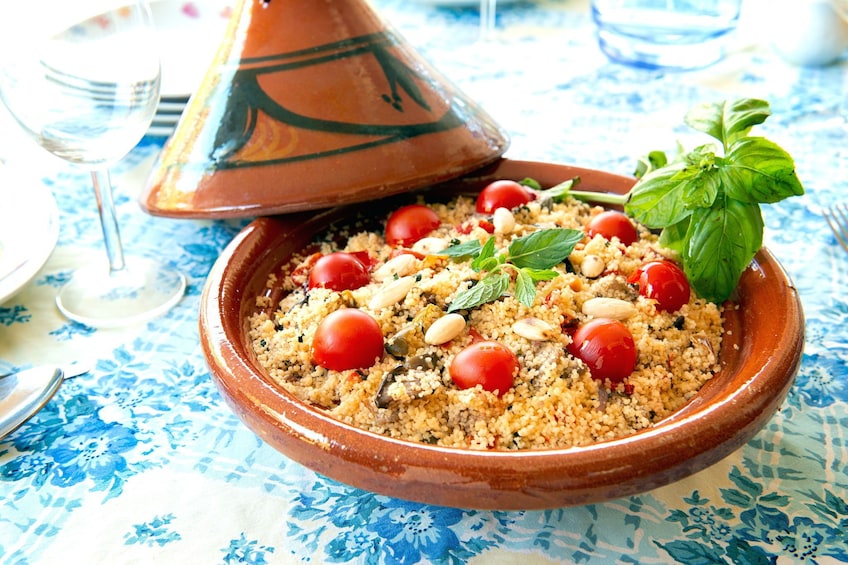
x=300, y=274
x=410, y=223
x=613, y=224
x=664, y=282
x=367, y=260
x=475, y=335
x=338, y=271
x=502, y=194
x=489, y=364
x=347, y=339
x=607, y=348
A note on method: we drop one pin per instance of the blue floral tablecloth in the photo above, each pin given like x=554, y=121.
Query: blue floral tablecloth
x=140, y=460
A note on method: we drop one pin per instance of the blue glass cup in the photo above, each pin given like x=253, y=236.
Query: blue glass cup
x=665, y=34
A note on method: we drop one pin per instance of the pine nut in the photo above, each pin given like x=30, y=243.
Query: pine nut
x=602, y=307
x=503, y=220
x=592, y=266
x=400, y=265
x=430, y=245
x=445, y=329
x=533, y=329
x=391, y=293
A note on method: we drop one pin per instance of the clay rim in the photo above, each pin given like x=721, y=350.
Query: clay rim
x=721, y=418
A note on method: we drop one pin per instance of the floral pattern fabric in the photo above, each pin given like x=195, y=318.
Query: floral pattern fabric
x=140, y=460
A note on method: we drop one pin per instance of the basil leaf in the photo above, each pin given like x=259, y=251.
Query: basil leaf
x=525, y=288
x=561, y=191
x=701, y=189
x=530, y=183
x=674, y=237
x=486, y=252
x=650, y=162
x=758, y=170
x=657, y=200
x=702, y=157
x=489, y=289
x=699, y=178
x=470, y=248
x=543, y=249
x=728, y=121
x=722, y=240
x=707, y=204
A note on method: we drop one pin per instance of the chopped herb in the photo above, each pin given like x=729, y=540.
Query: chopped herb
x=531, y=258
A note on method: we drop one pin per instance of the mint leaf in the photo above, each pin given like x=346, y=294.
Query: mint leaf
x=722, y=240
x=470, y=248
x=543, y=249
x=525, y=288
x=530, y=257
x=541, y=275
x=487, y=252
x=490, y=288
x=760, y=171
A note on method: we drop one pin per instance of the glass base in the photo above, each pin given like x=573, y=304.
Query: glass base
x=655, y=54
x=143, y=290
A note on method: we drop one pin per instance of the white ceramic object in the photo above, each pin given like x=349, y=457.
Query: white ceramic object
x=809, y=32
x=189, y=34
x=29, y=230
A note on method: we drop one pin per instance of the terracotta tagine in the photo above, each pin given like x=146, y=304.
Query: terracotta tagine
x=310, y=104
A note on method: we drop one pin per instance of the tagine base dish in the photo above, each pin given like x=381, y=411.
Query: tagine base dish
x=760, y=356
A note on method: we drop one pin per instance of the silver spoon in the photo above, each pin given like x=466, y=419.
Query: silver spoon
x=24, y=393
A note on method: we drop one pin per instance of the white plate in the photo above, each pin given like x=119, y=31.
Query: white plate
x=190, y=33
x=29, y=229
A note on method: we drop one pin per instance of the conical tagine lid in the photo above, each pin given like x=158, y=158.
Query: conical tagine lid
x=310, y=104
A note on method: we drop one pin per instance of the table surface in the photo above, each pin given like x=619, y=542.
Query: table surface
x=140, y=459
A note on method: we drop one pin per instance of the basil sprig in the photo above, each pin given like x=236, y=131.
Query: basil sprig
x=531, y=257
x=707, y=201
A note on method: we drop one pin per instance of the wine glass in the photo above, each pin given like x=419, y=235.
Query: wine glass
x=82, y=79
x=487, y=19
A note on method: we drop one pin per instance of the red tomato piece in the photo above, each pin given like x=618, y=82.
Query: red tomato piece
x=366, y=259
x=475, y=335
x=300, y=274
x=400, y=251
x=408, y=224
x=502, y=194
x=338, y=271
x=664, y=282
x=347, y=339
x=607, y=348
x=489, y=364
x=611, y=224
x=487, y=226
x=465, y=228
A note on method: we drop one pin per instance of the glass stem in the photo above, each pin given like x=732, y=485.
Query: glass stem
x=487, y=18
x=108, y=219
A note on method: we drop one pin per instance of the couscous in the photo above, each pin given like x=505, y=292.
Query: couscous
x=440, y=334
